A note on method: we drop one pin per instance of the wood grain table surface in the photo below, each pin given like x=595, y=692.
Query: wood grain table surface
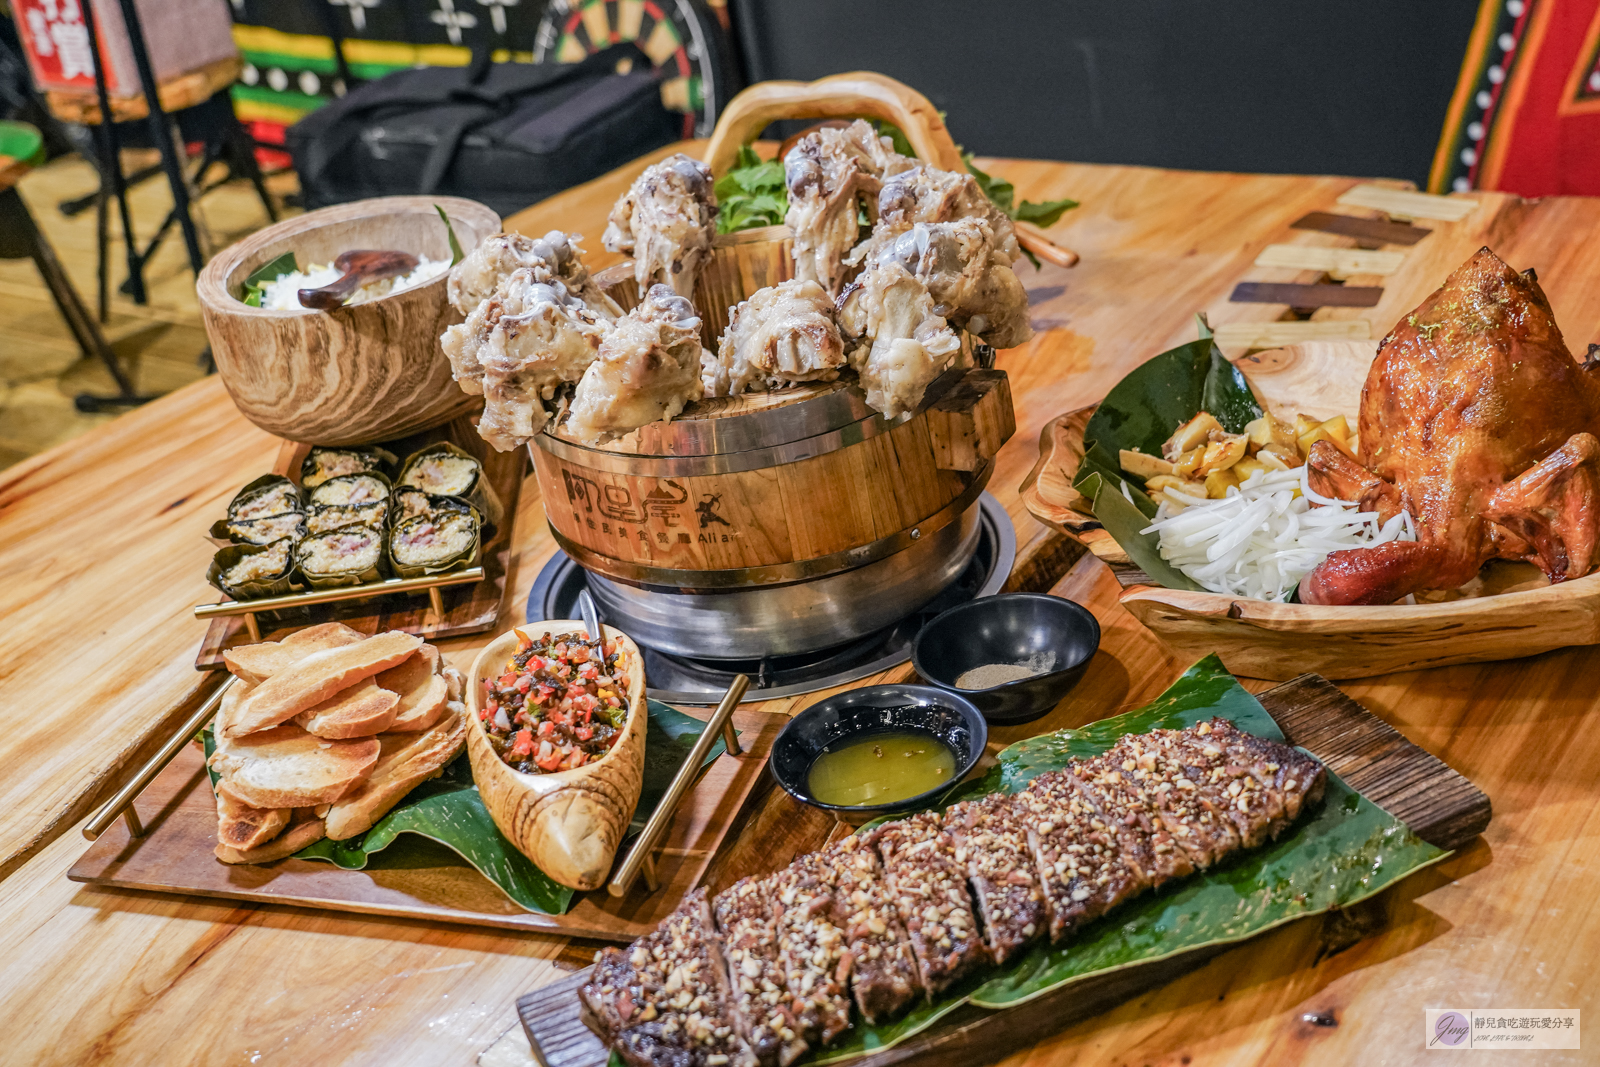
x=102, y=557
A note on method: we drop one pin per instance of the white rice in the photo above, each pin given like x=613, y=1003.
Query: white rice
x=1264, y=536
x=283, y=294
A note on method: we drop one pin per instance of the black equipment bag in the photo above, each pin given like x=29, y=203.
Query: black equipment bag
x=506, y=134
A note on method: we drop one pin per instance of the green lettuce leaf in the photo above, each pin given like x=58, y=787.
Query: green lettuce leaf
x=751, y=194
x=449, y=810
x=270, y=272
x=1344, y=851
x=456, y=255
x=1045, y=214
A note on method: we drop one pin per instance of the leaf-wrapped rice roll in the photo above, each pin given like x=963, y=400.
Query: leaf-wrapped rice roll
x=352, y=555
x=433, y=544
x=262, y=531
x=246, y=572
x=270, y=494
x=322, y=464
x=443, y=469
x=410, y=502
x=352, y=489
x=325, y=518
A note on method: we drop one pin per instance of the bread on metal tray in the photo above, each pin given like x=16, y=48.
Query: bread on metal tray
x=405, y=761
x=256, y=663
x=318, y=677
x=362, y=710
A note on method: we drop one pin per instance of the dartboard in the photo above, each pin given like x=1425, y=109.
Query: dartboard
x=683, y=39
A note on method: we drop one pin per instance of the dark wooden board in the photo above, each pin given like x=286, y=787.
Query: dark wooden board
x=468, y=609
x=1439, y=805
x=176, y=856
x=1366, y=231
x=1298, y=295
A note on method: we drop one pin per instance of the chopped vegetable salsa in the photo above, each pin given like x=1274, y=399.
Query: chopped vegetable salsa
x=559, y=704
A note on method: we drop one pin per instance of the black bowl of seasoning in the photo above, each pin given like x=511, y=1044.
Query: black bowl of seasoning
x=878, y=750
x=1014, y=655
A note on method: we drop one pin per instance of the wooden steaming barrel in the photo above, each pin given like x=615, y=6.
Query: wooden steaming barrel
x=769, y=488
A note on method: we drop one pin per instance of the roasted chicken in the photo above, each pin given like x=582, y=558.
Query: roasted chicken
x=666, y=221
x=783, y=333
x=516, y=347
x=648, y=369
x=1477, y=420
x=832, y=176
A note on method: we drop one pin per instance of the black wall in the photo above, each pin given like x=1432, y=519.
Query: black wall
x=1354, y=87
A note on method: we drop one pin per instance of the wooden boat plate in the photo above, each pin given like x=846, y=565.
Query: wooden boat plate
x=176, y=856
x=468, y=609
x=1508, y=611
x=1438, y=804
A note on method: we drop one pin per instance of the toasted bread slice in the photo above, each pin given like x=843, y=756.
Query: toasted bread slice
x=423, y=692
x=292, y=840
x=286, y=767
x=241, y=827
x=228, y=710
x=407, y=760
x=318, y=677
x=256, y=663
x=362, y=710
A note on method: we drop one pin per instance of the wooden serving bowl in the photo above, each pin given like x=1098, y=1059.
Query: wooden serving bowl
x=569, y=823
x=372, y=372
x=1510, y=610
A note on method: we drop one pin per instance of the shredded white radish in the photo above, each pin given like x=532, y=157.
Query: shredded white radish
x=1265, y=535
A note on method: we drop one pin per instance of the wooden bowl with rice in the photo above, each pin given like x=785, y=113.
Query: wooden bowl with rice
x=370, y=371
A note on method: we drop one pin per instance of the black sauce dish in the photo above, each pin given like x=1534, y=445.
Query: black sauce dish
x=1009, y=628
x=949, y=717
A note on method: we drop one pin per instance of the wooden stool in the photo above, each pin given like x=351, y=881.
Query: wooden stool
x=22, y=149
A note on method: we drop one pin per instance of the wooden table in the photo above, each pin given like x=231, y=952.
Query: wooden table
x=101, y=558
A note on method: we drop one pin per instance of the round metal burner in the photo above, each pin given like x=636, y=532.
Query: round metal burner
x=680, y=680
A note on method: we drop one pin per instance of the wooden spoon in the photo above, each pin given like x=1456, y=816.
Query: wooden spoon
x=360, y=267
x=1038, y=242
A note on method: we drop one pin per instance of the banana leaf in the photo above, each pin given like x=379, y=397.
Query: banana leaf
x=1344, y=851
x=1138, y=415
x=1141, y=411
x=449, y=810
x=1126, y=521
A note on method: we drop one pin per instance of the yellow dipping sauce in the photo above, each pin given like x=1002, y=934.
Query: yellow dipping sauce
x=881, y=769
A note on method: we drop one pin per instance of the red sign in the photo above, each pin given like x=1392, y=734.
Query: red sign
x=57, y=43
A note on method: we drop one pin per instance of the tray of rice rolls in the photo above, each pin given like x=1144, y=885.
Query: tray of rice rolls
x=394, y=530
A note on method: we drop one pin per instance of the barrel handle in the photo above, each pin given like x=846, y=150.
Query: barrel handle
x=843, y=96
x=840, y=96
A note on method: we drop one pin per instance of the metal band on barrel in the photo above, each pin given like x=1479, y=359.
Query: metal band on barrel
x=700, y=463
x=777, y=573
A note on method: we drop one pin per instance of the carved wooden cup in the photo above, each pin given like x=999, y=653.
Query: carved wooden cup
x=569, y=823
x=371, y=372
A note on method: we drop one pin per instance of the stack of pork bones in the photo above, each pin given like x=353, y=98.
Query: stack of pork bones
x=885, y=302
